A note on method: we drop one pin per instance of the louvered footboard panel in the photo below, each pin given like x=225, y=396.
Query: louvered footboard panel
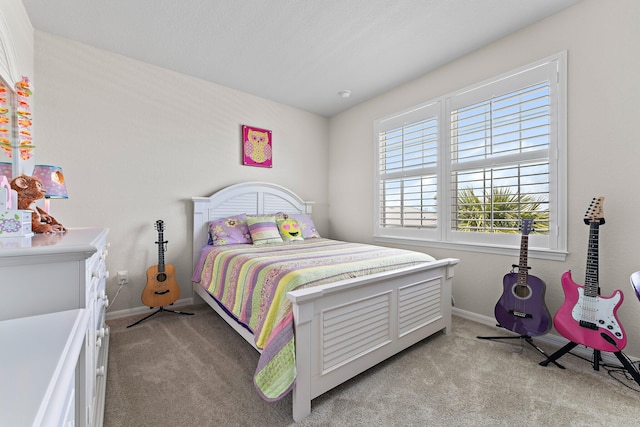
x=418, y=304
x=354, y=329
x=347, y=327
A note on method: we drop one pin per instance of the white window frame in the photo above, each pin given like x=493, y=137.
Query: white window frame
x=552, y=246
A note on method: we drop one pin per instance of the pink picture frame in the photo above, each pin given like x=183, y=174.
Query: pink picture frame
x=257, y=148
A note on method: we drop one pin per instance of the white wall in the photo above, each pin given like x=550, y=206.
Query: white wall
x=603, y=92
x=136, y=142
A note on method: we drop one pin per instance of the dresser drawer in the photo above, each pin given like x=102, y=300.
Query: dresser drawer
x=96, y=270
x=102, y=358
x=69, y=417
x=53, y=274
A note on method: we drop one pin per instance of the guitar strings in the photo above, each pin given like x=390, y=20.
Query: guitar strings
x=589, y=306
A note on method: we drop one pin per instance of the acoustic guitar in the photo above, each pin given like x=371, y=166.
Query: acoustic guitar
x=161, y=288
x=585, y=317
x=521, y=307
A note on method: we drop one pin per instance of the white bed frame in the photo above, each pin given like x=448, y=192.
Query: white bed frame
x=342, y=328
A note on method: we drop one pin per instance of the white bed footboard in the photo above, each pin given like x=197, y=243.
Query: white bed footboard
x=347, y=327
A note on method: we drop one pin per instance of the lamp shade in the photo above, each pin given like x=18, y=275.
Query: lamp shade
x=6, y=170
x=52, y=180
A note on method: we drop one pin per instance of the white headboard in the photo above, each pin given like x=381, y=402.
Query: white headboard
x=244, y=198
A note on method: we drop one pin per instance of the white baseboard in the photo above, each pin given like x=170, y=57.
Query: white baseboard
x=143, y=309
x=553, y=341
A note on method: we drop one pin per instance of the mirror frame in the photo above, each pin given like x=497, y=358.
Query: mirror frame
x=14, y=19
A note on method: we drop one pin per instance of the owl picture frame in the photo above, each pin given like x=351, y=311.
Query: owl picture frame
x=257, y=148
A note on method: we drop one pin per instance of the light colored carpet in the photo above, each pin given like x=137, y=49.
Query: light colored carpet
x=174, y=370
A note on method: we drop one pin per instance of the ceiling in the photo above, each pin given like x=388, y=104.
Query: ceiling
x=297, y=52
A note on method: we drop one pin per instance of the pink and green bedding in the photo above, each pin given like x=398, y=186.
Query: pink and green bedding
x=251, y=283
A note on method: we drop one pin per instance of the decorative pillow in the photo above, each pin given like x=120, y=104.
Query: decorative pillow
x=229, y=231
x=263, y=229
x=306, y=225
x=289, y=229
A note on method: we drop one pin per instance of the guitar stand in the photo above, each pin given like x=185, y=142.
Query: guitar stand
x=528, y=340
x=158, y=311
x=596, y=359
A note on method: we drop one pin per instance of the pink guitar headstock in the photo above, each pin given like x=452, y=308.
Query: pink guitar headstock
x=595, y=213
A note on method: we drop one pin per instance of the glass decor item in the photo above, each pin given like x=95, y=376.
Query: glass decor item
x=6, y=170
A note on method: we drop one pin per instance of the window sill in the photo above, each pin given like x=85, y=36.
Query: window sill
x=536, y=253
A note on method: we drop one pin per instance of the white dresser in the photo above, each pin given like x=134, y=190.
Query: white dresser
x=39, y=373
x=56, y=273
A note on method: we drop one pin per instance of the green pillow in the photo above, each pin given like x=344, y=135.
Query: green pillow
x=263, y=229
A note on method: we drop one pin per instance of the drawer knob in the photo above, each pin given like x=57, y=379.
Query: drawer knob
x=104, y=298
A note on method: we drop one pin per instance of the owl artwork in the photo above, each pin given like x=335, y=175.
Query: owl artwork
x=256, y=147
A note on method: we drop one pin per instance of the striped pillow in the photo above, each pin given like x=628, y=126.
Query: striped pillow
x=263, y=229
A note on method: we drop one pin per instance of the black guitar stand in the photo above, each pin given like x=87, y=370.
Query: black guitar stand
x=158, y=311
x=526, y=339
x=596, y=359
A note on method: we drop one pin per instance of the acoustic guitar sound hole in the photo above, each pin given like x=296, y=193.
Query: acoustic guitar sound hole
x=522, y=291
x=161, y=277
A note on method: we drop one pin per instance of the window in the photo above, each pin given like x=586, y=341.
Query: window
x=466, y=168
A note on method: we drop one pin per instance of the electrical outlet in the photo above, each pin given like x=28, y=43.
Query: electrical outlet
x=123, y=277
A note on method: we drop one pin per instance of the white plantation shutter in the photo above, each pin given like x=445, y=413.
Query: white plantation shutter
x=466, y=168
x=408, y=170
x=500, y=160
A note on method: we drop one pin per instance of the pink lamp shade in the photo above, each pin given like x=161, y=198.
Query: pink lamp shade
x=52, y=180
x=6, y=170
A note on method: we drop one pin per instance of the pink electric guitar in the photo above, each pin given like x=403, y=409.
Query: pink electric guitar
x=585, y=317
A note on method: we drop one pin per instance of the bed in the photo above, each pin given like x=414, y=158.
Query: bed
x=339, y=327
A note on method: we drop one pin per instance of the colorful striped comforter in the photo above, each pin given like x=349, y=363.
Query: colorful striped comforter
x=251, y=282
